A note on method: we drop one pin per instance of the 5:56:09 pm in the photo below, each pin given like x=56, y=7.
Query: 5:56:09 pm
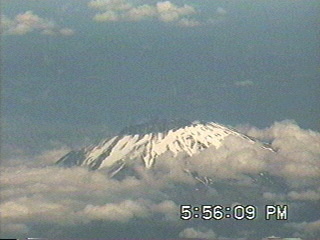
x=218, y=212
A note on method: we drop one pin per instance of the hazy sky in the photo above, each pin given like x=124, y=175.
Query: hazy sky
x=75, y=71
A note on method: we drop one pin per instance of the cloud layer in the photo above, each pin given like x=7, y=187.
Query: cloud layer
x=298, y=150
x=121, y=10
x=29, y=22
x=58, y=202
x=194, y=233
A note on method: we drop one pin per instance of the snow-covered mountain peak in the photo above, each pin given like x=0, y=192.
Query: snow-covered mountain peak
x=155, y=126
x=146, y=142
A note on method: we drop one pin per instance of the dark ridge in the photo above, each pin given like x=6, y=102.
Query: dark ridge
x=74, y=158
x=155, y=126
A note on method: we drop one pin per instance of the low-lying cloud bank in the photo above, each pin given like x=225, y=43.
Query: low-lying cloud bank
x=74, y=202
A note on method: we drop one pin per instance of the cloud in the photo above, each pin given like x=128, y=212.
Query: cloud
x=141, y=12
x=29, y=22
x=221, y=11
x=306, y=229
x=244, y=83
x=123, y=211
x=302, y=195
x=45, y=158
x=233, y=158
x=113, y=5
x=120, y=10
x=163, y=11
x=67, y=197
x=168, y=12
x=219, y=16
x=41, y=198
x=13, y=229
x=312, y=195
x=108, y=16
x=274, y=196
x=188, y=22
x=298, y=150
x=66, y=31
x=129, y=209
x=193, y=233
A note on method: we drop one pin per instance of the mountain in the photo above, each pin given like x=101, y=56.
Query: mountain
x=145, y=143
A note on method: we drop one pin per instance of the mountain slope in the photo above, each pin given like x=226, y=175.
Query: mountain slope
x=146, y=142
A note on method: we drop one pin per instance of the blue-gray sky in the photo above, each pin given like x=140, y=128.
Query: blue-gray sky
x=74, y=65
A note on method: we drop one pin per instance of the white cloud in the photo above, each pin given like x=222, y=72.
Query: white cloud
x=244, y=83
x=306, y=229
x=28, y=22
x=48, y=32
x=312, y=195
x=298, y=150
x=120, y=10
x=113, y=5
x=274, y=196
x=129, y=209
x=185, y=22
x=48, y=156
x=219, y=16
x=141, y=12
x=67, y=31
x=193, y=233
x=233, y=158
x=108, y=16
x=168, y=12
x=45, y=158
x=168, y=208
x=221, y=11
x=72, y=196
x=122, y=212
x=163, y=11
x=33, y=207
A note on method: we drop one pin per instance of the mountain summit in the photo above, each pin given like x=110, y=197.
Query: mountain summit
x=154, y=126
x=146, y=142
